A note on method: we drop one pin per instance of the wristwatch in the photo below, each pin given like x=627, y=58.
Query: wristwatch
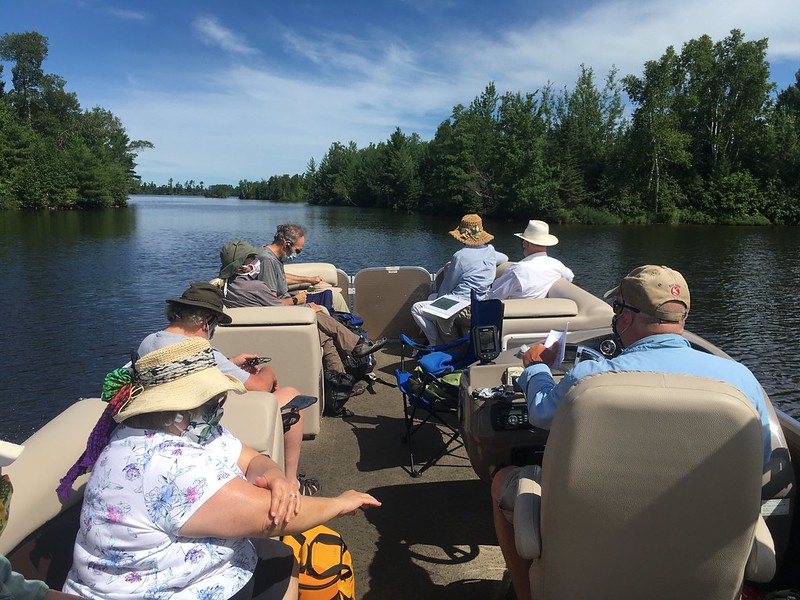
x=294, y=299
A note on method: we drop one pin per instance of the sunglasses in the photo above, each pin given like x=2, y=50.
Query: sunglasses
x=290, y=244
x=618, y=307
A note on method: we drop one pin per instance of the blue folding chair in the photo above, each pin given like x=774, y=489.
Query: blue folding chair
x=427, y=396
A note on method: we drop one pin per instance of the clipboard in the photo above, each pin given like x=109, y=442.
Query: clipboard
x=445, y=307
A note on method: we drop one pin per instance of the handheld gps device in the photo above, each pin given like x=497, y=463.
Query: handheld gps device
x=486, y=343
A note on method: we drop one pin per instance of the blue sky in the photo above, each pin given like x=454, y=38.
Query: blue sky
x=252, y=88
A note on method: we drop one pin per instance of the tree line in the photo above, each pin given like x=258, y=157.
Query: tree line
x=706, y=139
x=53, y=154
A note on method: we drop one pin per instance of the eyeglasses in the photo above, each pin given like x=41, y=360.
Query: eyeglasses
x=290, y=245
x=618, y=307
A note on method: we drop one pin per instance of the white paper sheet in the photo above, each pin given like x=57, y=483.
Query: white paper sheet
x=560, y=338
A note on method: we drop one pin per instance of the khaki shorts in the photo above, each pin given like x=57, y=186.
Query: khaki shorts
x=509, y=495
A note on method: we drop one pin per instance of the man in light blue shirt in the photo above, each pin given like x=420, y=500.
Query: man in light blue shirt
x=650, y=305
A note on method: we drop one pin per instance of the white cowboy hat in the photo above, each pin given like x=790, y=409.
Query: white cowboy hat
x=538, y=233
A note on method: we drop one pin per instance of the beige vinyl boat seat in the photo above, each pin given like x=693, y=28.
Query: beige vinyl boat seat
x=650, y=488
x=330, y=275
x=565, y=302
x=325, y=270
x=289, y=336
x=527, y=319
x=50, y=452
x=384, y=297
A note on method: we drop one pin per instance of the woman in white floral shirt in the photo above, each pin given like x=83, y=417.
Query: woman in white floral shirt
x=173, y=497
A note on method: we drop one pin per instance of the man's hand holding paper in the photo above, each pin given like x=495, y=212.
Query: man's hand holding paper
x=551, y=352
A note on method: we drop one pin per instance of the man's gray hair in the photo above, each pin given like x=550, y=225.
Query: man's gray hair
x=289, y=233
x=183, y=312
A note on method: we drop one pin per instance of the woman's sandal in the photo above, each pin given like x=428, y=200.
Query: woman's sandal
x=309, y=486
x=289, y=417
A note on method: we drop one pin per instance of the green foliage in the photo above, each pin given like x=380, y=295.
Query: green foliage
x=707, y=140
x=705, y=143
x=53, y=154
x=281, y=188
x=220, y=190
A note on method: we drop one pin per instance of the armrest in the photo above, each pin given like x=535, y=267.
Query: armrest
x=527, y=515
x=760, y=566
x=325, y=270
x=270, y=315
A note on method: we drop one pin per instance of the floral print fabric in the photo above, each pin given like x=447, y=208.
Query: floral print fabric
x=144, y=487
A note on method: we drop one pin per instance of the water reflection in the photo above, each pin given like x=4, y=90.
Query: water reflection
x=85, y=288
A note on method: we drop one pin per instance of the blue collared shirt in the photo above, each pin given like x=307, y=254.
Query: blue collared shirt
x=665, y=353
x=471, y=268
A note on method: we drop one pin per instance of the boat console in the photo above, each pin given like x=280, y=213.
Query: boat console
x=494, y=415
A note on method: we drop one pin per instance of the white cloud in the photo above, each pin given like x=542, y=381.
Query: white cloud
x=273, y=119
x=214, y=34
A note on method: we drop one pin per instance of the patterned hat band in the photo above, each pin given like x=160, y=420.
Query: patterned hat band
x=166, y=372
x=473, y=231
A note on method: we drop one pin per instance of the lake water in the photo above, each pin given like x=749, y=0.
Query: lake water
x=83, y=288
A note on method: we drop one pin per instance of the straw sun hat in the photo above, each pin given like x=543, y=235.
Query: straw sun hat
x=470, y=231
x=180, y=376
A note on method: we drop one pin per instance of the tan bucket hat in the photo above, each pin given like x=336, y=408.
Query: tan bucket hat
x=538, y=233
x=649, y=287
x=470, y=231
x=181, y=376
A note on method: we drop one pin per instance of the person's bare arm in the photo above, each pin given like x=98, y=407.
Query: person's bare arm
x=240, y=509
x=264, y=380
x=264, y=472
x=293, y=279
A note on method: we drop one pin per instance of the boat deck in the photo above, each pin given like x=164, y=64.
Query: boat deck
x=433, y=537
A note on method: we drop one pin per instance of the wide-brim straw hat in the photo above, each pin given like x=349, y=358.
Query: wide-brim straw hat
x=9, y=453
x=233, y=255
x=204, y=295
x=470, y=231
x=538, y=233
x=181, y=376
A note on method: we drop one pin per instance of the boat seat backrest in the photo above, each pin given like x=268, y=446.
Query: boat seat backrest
x=255, y=419
x=565, y=302
x=650, y=488
x=384, y=297
x=48, y=455
x=327, y=271
x=289, y=336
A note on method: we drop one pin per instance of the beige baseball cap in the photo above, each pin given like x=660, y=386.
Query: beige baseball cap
x=649, y=287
